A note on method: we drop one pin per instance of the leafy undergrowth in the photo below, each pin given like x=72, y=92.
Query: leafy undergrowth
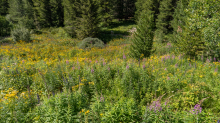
x=51, y=80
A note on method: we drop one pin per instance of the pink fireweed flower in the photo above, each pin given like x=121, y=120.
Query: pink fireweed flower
x=173, y=57
x=67, y=61
x=102, y=98
x=207, y=60
x=179, y=56
x=92, y=70
x=127, y=67
x=104, y=63
x=176, y=65
x=124, y=57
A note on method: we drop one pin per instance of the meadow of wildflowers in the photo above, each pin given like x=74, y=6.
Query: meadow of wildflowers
x=51, y=80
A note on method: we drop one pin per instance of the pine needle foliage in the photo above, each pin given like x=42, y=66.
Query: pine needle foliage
x=164, y=18
x=179, y=19
x=88, y=20
x=142, y=42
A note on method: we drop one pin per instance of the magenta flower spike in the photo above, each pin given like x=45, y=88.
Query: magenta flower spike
x=124, y=57
x=127, y=67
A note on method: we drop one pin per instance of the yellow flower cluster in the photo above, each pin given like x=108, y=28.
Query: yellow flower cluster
x=83, y=110
x=10, y=94
x=80, y=84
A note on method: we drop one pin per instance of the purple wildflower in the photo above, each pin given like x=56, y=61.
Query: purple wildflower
x=197, y=109
x=127, y=67
x=156, y=106
x=207, y=60
x=124, y=57
x=173, y=57
x=165, y=69
x=214, y=59
x=144, y=66
x=166, y=57
x=168, y=44
x=216, y=69
x=168, y=78
x=92, y=70
x=67, y=61
x=102, y=98
x=179, y=56
x=176, y=65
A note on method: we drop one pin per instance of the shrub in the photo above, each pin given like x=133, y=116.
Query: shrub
x=90, y=43
x=20, y=33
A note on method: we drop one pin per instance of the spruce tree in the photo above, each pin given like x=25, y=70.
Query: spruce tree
x=87, y=20
x=4, y=26
x=42, y=12
x=4, y=7
x=70, y=15
x=150, y=6
x=179, y=18
x=16, y=11
x=57, y=13
x=106, y=11
x=142, y=41
x=139, y=8
x=164, y=29
x=119, y=9
x=21, y=13
x=129, y=8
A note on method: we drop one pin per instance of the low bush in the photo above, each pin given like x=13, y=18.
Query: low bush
x=88, y=43
x=21, y=33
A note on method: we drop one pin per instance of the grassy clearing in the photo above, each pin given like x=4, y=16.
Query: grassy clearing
x=51, y=80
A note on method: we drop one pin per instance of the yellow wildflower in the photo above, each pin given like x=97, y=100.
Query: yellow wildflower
x=87, y=112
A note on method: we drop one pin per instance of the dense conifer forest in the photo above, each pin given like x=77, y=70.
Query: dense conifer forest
x=109, y=61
